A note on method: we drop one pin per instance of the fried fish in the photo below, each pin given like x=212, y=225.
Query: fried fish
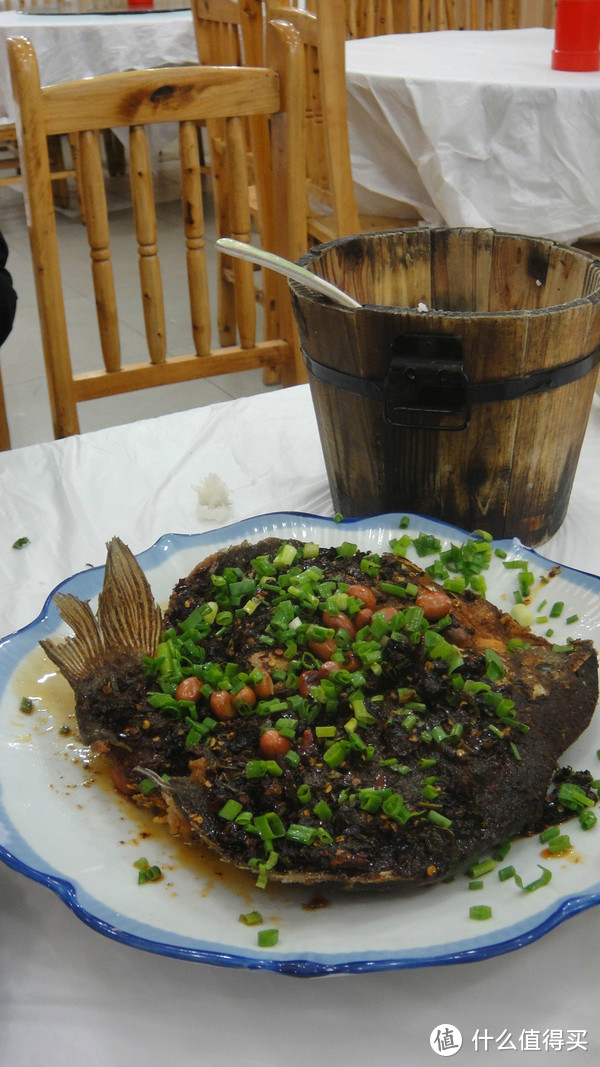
x=324, y=715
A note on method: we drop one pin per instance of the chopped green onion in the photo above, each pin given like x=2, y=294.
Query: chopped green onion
x=391, y=589
x=477, y=869
x=476, y=884
x=455, y=585
x=302, y=835
x=230, y=810
x=285, y=556
x=573, y=797
x=506, y=872
x=439, y=820
x=429, y=792
x=547, y=835
x=269, y=825
x=267, y=938
x=587, y=819
x=502, y=850
x=395, y=808
x=325, y=731
x=337, y=753
x=251, y=918
x=256, y=768
x=543, y=880
x=400, y=545
x=149, y=874
x=480, y=912
x=494, y=665
x=146, y=786
x=371, y=564
x=347, y=549
x=310, y=550
x=426, y=544
x=559, y=844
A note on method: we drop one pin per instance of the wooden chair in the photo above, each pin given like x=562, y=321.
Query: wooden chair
x=332, y=211
x=9, y=154
x=419, y=16
x=218, y=31
x=370, y=18
x=134, y=99
x=10, y=166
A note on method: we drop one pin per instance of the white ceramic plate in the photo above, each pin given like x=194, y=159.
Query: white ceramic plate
x=61, y=826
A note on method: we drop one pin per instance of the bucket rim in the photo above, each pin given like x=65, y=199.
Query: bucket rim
x=314, y=253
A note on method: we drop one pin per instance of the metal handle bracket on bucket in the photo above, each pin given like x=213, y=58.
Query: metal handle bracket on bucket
x=426, y=386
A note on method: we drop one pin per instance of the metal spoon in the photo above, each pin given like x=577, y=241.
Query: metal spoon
x=285, y=266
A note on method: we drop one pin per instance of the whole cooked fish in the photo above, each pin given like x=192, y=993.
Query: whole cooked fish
x=324, y=715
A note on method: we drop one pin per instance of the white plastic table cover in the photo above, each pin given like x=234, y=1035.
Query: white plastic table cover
x=79, y=46
x=69, y=995
x=474, y=128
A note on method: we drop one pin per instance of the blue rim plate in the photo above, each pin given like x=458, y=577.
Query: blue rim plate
x=61, y=826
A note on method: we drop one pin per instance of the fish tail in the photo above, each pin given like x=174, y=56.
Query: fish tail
x=127, y=620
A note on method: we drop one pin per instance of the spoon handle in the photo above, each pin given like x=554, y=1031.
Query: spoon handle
x=285, y=266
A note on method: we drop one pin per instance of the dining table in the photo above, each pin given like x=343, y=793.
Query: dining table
x=475, y=128
x=88, y=971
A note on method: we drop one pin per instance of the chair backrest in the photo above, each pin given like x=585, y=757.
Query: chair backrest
x=370, y=18
x=186, y=96
x=412, y=16
x=332, y=206
x=217, y=25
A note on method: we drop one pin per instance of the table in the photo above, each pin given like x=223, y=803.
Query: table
x=474, y=128
x=67, y=994
x=78, y=45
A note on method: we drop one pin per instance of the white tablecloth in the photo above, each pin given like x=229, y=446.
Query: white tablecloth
x=69, y=995
x=475, y=129
x=78, y=46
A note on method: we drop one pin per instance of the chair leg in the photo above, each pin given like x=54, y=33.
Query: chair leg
x=4, y=431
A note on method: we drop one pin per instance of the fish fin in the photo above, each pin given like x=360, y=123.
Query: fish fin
x=128, y=617
x=75, y=656
x=127, y=621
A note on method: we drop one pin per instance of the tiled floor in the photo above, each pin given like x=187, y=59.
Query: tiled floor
x=21, y=356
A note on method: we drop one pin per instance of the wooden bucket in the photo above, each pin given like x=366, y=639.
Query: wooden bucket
x=462, y=388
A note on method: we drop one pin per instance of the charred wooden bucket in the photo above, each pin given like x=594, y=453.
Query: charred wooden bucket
x=462, y=388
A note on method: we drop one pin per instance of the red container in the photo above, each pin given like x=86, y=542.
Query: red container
x=577, y=35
